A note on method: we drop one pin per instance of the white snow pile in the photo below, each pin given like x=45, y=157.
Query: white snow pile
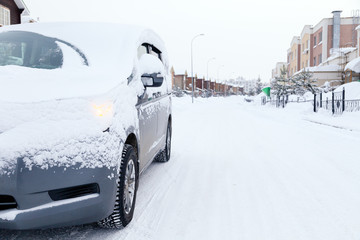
x=335, y=53
x=324, y=68
x=257, y=98
x=58, y=117
x=353, y=65
x=352, y=91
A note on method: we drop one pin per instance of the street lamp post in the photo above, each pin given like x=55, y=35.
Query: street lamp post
x=192, y=73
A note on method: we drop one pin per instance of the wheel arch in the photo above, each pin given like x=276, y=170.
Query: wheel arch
x=170, y=119
x=132, y=140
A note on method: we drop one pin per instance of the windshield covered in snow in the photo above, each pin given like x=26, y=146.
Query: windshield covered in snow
x=29, y=49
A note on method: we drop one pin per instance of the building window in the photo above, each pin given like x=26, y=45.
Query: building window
x=4, y=16
x=320, y=37
x=320, y=58
x=314, y=40
x=314, y=61
x=308, y=44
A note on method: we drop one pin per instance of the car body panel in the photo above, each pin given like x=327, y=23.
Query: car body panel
x=51, y=137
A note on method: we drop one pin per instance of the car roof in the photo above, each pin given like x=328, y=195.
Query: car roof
x=104, y=44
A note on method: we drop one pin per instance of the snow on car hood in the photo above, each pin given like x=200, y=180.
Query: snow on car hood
x=66, y=132
x=27, y=130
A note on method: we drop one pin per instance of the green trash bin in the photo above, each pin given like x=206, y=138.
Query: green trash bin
x=267, y=91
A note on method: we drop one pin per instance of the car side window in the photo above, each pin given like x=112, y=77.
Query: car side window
x=156, y=52
x=147, y=48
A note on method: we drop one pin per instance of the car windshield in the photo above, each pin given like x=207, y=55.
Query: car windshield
x=29, y=50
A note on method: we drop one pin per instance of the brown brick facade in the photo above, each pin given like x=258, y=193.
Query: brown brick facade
x=317, y=50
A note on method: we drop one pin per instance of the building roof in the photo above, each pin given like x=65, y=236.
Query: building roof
x=295, y=40
x=306, y=29
x=21, y=5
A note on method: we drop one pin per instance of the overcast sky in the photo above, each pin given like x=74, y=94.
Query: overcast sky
x=247, y=38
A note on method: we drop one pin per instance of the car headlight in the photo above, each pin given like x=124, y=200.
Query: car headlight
x=103, y=110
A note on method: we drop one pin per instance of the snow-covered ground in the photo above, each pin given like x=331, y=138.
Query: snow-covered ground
x=244, y=171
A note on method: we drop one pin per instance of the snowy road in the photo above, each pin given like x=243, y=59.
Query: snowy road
x=240, y=171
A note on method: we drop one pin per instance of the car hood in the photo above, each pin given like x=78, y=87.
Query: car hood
x=67, y=132
x=49, y=132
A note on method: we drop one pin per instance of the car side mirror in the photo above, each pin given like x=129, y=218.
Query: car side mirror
x=152, y=80
x=147, y=81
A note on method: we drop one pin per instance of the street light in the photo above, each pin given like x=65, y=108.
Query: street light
x=207, y=68
x=192, y=73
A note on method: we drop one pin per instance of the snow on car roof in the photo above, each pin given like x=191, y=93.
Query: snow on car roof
x=103, y=43
x=110, y=50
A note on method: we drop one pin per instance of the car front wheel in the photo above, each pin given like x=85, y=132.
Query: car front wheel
x=127, y=185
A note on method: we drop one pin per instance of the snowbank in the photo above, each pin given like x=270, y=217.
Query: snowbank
x=353, y=65
x=352, y=90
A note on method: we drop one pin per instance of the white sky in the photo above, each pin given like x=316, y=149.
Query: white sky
x=247, y=37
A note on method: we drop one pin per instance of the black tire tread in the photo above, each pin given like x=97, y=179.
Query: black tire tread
x=117, y=220
x=161, y=156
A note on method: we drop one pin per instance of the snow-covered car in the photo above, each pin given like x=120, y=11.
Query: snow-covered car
x=84, y=109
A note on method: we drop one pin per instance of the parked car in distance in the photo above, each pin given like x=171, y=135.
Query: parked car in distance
x=84, y=109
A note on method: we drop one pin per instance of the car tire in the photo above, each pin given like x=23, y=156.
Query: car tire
x=127, y=186
x=165, y=154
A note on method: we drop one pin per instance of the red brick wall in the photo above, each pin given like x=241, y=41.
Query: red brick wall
x=199, y=83
x=330, y=38
x=346, y=32
x=298, y=57
x=345, y=36
x=206, y=84
x=14, y=11
x=222, y=88
x=179, y=81
x=311, y=50
x=188, y=83
x=318, y=49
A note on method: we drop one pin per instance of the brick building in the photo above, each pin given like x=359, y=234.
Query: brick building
x=316, y=43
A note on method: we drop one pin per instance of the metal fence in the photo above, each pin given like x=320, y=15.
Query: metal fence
x=280, y=101
x=337, y=104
